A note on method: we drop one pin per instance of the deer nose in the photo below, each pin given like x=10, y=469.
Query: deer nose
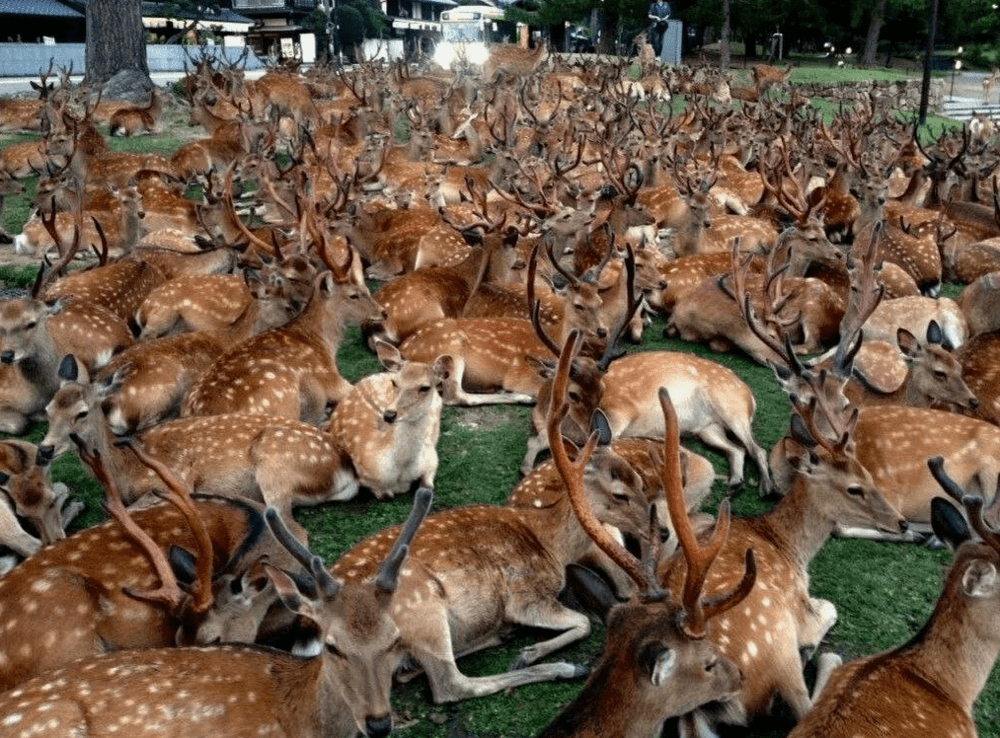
x=602, y=332
x=45, y=455
x=7, y=357
x=389, y=416
x=378, y=727
x=974, y=403
x=903, y=526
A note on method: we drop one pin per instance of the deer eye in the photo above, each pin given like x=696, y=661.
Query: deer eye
x=82, y=414
x=855, y=491
x=424, y=389
x=332, y=649
x=940, y=375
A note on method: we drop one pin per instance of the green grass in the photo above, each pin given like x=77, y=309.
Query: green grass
x=884, y=593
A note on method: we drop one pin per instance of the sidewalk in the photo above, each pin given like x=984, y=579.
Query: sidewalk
x=15, y=85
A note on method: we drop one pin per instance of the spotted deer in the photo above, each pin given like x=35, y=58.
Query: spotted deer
x=936, y=677
x=28, y=494
x=779, y=619
x=289, y=371
x=657, y=662
x=35, y=335
x=390, y=421
x=440, y=624
x=86, y=589
x=230, y=307
x=280, y=461
x=27, y=114
x=339, y=690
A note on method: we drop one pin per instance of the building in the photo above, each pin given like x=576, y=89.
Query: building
x=31, y=21
x=278, y=29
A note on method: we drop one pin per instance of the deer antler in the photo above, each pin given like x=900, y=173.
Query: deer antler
x=179, y=495
x=572, y=474
x=699, y=558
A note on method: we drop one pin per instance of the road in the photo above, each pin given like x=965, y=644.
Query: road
x=15, y=85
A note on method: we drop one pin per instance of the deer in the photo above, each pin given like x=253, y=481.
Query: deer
x=390, y=421
x=119, y=286
x=936, y=677
x=35, y=335
x=988, y=83
x=291, y=370
x=440, y=624
x=657, y=662
x=27, y=114
x=193, y=543
x=283, y=462
x=340, y=689
x=229, y=307
x=779, y=619
x=27, y=493
x=137, y=120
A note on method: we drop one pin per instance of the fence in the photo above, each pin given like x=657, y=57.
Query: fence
x=25, y=60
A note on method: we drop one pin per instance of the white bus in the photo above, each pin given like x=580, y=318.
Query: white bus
x=465, y=33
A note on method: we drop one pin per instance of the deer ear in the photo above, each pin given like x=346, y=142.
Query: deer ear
x=591, y=589
x=289, y=593
x=908, y=342
x=389, y=356
x=69, y=369
x=980, y=580
x=56, y=306
x=444, y=366
x=934, y=333
x=184, y=564
x=948, y=523
x=659, y=662
x=602, y=425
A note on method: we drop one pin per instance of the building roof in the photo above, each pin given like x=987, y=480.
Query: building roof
x=212, y=15
x=47, y=8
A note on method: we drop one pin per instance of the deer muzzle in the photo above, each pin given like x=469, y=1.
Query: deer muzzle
x=389, y=416
x=7, y=357
x=378, y=727
x=45, y=455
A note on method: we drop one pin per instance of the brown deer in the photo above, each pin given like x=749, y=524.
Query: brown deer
x=440, y=624
x=28, y=494
x=340, y=690
x=779, y=619
x=389, y=423
x=104, y=571
x=27, y=114
x=657, y=662
x=281, y=461
x=935, y=678
x=290, y=371
x=135, y=121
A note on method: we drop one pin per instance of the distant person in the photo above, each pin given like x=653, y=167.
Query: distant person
x=659, y=14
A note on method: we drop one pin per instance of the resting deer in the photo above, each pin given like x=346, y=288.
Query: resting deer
x=106, y=571
x=657, y=662
x=389, y=423
x=341, y=689
x=483, y=597
x=935, y=678
x=290, y=371
x=138, y=120
x=28, y=494
x=35, y=335
x=779, y=619
x=281, y=461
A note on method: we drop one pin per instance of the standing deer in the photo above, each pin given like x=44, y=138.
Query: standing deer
x=929, y=685
x=657, y=662
x=243, y=690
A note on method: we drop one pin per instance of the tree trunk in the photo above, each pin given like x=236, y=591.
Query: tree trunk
x=724, y=50
x=609, y=27
x=874, y=29
x=116, y=40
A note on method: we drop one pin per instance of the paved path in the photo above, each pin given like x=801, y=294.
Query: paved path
x=14, y=85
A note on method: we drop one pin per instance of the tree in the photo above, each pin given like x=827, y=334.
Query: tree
x=116, y=41
x=192, y=11
x=874, y=29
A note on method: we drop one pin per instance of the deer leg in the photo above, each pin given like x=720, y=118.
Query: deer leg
x=448, y=684
x=454, y=394
x=536, y=444
x=553, y=615
x=821, y=616
x=695, y=725
x=714, y=436
x=825, y=667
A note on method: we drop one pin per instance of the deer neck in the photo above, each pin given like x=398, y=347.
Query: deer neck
x=955, y=652
x=799, y=521
x=320, y=325
x=601, y=710
x=558, y=529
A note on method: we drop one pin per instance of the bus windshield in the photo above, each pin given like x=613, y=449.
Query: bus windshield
x=464, y=32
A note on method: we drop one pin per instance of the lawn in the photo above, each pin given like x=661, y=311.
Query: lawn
x=884, y=593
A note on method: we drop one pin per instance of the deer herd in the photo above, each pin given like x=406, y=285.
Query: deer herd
x=491, y=238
